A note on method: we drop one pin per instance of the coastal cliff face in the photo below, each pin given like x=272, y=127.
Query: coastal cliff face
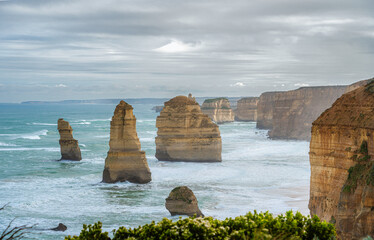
x=182, y=201
x=246, y=109
x=218, y=109
x=265, y=108
x=294, y=111
x=69, y=146
x=358, y=84
x=342, y=164
x=186, y=134
x=125, y=160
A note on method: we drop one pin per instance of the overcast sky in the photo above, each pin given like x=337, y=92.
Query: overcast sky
x=90, y=49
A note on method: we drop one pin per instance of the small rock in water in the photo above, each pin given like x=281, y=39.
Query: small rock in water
x=61, y=227
x=182, y=201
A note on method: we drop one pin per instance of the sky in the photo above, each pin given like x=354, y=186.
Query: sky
x=92, y=49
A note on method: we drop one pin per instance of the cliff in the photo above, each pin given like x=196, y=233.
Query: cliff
x=69, y=146
x=265, y=107
x=342, y=164
x=218, y=109
x=358, y=84
x=294, y=111
x=246, y=109
x=125, y=160
x=186, y=134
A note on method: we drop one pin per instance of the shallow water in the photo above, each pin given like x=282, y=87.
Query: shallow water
x=256, y=173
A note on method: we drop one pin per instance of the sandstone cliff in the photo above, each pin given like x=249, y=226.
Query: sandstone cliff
x=294, y=111
x=218, y=109
x=69, y=146
x=265, y=107
x=186, y=134
x=246, y=109
x=182, y=201
x=358, y=84
x=289, y=114
x=125, y=160
x=342, y=164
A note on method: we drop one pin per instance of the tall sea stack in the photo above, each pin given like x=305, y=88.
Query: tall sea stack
x=69, y=146
x=186, y=134
x=125, y=160
x=342, y=164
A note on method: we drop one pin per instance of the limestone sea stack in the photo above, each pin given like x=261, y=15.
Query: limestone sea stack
x=69, y=146
x=182, y=201
x=246, y=109
x=125, y=160
x=186, y=134
x=342, y=164
x=218, y=109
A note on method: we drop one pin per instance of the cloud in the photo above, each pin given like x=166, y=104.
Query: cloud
x=110, y=47
x=176, y=46
x=237, y=84
x=61, y=85
x=301, y=85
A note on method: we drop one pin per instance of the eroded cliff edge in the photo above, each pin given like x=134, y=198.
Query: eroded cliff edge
x=186, y=134
x=342, y=164
x=125, y=160
x=289, y=115
x=246, y=109
x=68, y=145
x=218, y=109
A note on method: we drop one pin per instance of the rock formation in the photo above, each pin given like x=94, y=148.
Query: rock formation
x=182, y=201
x=61, y=227
x=246, y=109
x=342, y=164
x=69, y=146
x=358, y=84
x=218, y=109
x=125, y=160
x=295, y=111
x=265, y=108
x=186, y=134
x=157, y=108
x=289, y=115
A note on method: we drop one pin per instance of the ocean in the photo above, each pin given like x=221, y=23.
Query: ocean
x=256, y=173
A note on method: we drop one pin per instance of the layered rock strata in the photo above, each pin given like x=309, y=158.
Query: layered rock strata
x=342, y=164
x=358, y=84
x=289, y=115
x=294, y=111
x=218, y=109
x=125, y=160
x=265, y=108
x=182, y=201
x=246, y=109
x=69, y=146
x=186, y=134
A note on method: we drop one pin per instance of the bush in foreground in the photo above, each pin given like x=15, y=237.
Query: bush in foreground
x=251, y=226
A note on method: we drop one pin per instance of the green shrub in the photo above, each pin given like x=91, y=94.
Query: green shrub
x=251, y=226
x=362, y=170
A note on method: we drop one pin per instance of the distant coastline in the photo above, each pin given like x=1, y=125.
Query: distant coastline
x=156, y=101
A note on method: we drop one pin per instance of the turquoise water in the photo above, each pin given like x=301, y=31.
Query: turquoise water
x=256, y=173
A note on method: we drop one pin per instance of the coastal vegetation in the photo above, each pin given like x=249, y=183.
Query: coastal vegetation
x=251, y=226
